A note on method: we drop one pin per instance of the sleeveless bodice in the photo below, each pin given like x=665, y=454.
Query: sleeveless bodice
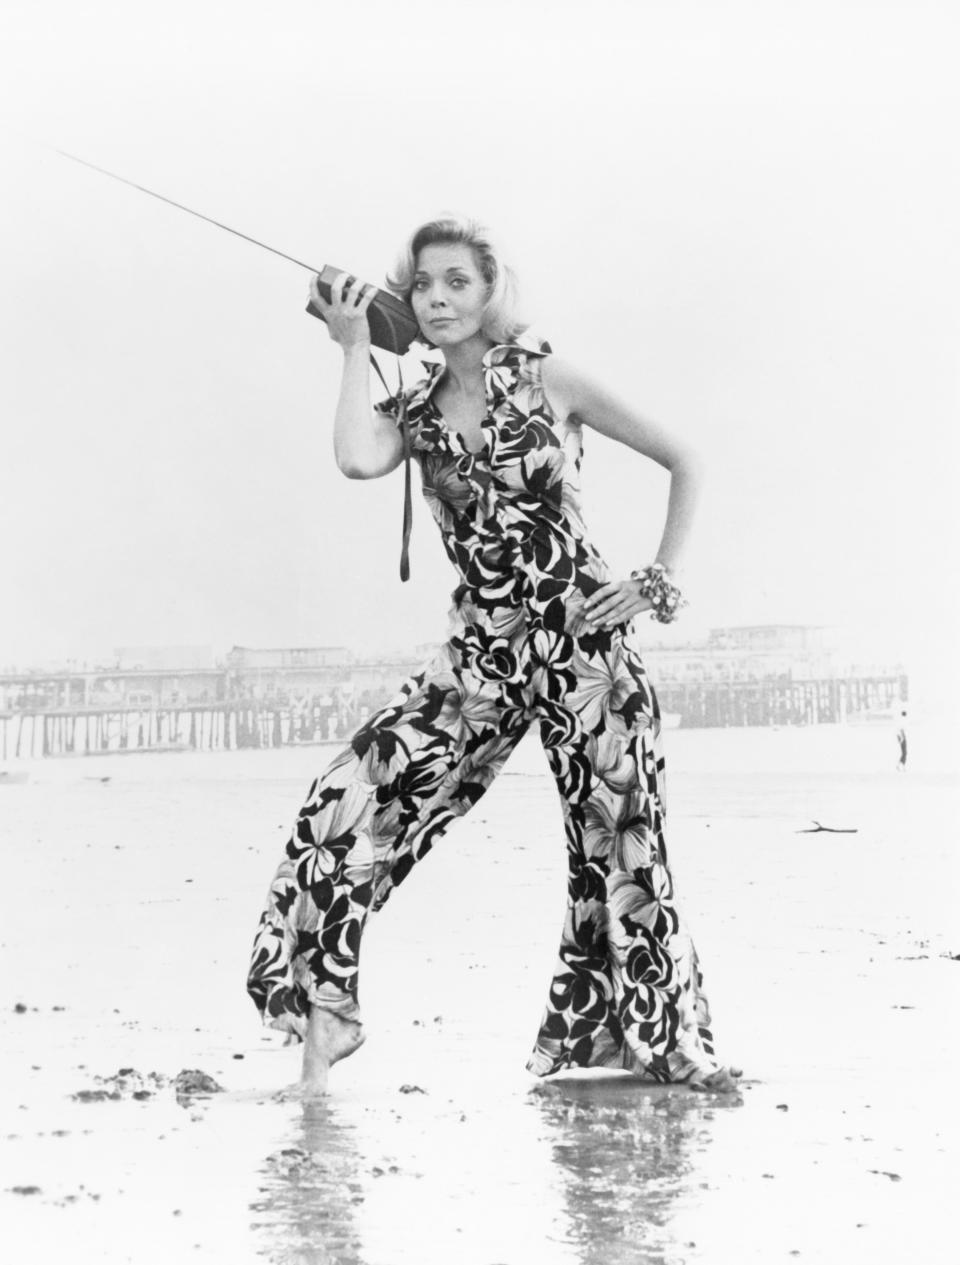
x=510, y=513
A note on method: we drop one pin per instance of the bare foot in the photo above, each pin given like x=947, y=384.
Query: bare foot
x=329, y=1039
x=722, y=1081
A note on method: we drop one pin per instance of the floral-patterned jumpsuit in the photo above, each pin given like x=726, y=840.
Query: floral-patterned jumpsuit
x=627, y=989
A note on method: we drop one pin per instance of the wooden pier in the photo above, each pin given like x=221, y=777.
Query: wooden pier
x=118, y=729
x=831, y=700
x=234, y=725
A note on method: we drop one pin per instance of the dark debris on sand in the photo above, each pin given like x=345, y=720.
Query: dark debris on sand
x=128, y=1083
x=193, y=1081
x=96, y=1095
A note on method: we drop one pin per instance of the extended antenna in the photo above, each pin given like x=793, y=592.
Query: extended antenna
x=180, y=207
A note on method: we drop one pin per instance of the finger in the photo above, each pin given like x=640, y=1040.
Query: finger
x=602, y=609
x=630, y=612
x=369, y=294
x=616, y=615
x=337, y=286
x=601, y=614
x=600, y=619
x=604, y=591
x=316, y=298
x=620, y=606
x=352, y=291
x=616, y=595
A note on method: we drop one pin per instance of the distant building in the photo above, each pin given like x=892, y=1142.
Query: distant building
x=758, y=638
x=164, y=658
x=754, y=652
x=245, y=659
x=286, y=672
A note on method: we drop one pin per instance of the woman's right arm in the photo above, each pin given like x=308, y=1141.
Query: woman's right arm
x=366, y=444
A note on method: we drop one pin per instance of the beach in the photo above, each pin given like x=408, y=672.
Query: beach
x=132, y=889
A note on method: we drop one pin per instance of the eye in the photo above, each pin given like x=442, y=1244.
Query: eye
x=420, y=283
x=458, y=283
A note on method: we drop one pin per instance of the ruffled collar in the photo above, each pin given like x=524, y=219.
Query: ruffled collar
x=499, y=364
x=502, y=367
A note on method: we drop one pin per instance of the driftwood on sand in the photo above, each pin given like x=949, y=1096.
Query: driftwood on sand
x=833, y=830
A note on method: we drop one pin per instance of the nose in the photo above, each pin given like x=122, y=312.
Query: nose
x=437, y=297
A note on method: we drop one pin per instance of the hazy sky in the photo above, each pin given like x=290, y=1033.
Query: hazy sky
x=740, y=215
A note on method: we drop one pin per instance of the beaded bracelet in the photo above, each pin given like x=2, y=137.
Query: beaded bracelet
x=665, y=596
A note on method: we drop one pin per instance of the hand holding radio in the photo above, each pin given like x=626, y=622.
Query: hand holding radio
x=393, y=325
x=345, y=311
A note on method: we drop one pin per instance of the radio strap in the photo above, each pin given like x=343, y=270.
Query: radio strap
x=405, y=434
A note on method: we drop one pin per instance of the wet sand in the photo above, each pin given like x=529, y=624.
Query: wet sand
x=131, y=892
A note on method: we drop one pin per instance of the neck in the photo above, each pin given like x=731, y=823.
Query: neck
x=464, y=363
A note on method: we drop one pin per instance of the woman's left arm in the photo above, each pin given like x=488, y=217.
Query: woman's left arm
x=574, y=397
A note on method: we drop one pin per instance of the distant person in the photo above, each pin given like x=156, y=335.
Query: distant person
x=902, y=742
x=540, y=634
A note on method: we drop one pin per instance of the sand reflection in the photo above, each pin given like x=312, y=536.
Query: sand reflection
x=589, y=1171
x=309, y=1190
x=624, y=1155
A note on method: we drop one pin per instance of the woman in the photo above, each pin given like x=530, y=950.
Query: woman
x=539, y=632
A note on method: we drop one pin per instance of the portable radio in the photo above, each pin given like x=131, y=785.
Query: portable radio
x=393, y=325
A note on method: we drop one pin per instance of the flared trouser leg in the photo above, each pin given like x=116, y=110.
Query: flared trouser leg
x=627, y=989
x=417, y=764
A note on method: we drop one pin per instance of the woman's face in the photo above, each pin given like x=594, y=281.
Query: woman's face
x=449, y=294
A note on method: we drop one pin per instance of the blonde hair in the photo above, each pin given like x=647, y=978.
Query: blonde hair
x=501, y=319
